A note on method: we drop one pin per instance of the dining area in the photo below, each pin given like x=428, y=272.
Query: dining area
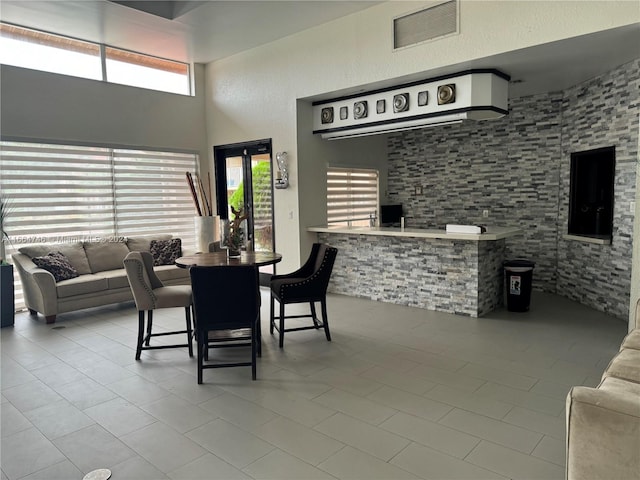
x=222, y=303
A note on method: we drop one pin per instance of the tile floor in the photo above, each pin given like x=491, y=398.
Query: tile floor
x=399, y=393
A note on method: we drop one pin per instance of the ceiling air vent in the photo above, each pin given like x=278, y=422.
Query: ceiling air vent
x=426, y=24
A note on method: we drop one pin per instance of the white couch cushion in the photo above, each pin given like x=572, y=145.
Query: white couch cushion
x=115, y=278
x=73, y=251
x=142, y=243
x=88, y=283
x=106, y=255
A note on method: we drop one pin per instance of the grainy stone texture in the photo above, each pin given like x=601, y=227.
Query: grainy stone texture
x=518, y=168
x=451, y=276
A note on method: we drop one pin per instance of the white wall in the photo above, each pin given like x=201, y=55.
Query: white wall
x=256, y=94
x=45, y=106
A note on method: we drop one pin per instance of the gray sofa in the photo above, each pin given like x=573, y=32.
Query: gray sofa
x=603, y=423
x=101, y=279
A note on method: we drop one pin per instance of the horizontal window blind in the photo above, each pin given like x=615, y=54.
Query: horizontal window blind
x=63, y=193
x=352, y=195
x=151, y=194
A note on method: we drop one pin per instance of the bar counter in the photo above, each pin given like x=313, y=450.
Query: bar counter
x=426, y=268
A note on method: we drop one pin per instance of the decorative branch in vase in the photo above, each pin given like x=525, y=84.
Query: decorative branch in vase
x=5, y=210
x=235, y=231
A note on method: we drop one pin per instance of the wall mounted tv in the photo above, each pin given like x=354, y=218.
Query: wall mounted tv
x=390, y=214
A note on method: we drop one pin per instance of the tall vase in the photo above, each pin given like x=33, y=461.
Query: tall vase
x=205, y=232
x=231, y=239
x=7, y=302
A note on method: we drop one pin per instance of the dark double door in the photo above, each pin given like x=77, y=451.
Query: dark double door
x=244, y=180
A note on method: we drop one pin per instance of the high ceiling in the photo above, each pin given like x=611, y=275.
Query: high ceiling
x=205, y=31
x=201, y=32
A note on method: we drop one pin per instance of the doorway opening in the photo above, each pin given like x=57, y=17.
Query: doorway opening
x=244, y=181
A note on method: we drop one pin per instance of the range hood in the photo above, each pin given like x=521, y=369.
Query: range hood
x=472, y=94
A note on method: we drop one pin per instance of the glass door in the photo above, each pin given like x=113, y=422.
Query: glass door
x=244, y=181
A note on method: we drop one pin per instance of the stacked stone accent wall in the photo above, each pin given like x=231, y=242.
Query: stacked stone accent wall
x=462, y=277
x=601, y=113
x=517, y=167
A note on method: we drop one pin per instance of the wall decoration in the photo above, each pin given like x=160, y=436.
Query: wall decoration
x=381, y=106
x=423, y=98
x=446, y=93
x=327, y=115
x=344, y=113
x=360, y=109
x=401, y=102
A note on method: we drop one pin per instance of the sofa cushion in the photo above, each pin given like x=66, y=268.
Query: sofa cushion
x=106, y=255
x=56, y=264
x=73, y=251
x=632, y=340
x=168, y=273
x=142, y=243
x=165, y=252
x=115, y=278
x=625, y=365
x=89, y=283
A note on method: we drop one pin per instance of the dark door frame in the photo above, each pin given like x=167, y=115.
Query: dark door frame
x=244, y=150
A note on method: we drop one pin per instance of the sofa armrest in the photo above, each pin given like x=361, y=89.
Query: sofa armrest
x=38, y=286
x=603, y=431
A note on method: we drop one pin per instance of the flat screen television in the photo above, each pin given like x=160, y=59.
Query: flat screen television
x=390, y=214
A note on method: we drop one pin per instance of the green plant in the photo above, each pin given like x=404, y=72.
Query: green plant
x=5, y=211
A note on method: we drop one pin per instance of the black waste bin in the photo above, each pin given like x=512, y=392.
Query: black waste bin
x=518, y=276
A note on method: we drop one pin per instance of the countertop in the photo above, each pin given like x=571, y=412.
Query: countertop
x=492, y=233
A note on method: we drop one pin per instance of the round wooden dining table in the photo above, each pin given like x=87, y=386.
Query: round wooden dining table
x=216, y=259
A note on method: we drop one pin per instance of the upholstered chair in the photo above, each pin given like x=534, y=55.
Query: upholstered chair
x=309, y=285
x=226, y=302
x=150, y=294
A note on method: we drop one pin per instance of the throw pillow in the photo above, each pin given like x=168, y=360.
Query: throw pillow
x=56, y=264
x=165, y=252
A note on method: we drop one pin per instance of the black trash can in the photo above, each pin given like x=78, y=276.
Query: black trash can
x=518, y=276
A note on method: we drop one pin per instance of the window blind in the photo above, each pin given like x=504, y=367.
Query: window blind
x=352, y=195
x=65, y=193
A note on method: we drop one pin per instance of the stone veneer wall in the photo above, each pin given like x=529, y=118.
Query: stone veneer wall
x=425, y=273
x=517, y=167
x=600, y=113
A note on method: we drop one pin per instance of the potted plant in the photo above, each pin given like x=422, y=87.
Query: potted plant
x=7, y=301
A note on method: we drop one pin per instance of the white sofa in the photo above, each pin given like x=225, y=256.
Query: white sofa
x=101, y=279
x=603, y=423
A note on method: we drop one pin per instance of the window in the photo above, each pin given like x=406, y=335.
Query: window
x=27, y=48
x=591, y=192
x=352, y=196
x=71, y=193
x=23, y=47
x=137, y=70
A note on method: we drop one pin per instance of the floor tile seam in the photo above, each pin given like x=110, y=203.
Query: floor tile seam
x=532, y=428
x=488, y=396
x=500, y=421
x=51, y=439
x=413, y=442
x=562, y=465
x=280, y=414
x=362, y=421
x=317, y=432
x=505, y=384
x=118, y=435
x=399, y=410
x=517, y=452
x=345, y=446
x=360, y=398
x=483, y=466
x=67, y=459
x=440, y=425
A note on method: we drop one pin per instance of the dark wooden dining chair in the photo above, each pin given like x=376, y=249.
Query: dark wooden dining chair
x=226, y=302
x=150, y=294
x=308, y=284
